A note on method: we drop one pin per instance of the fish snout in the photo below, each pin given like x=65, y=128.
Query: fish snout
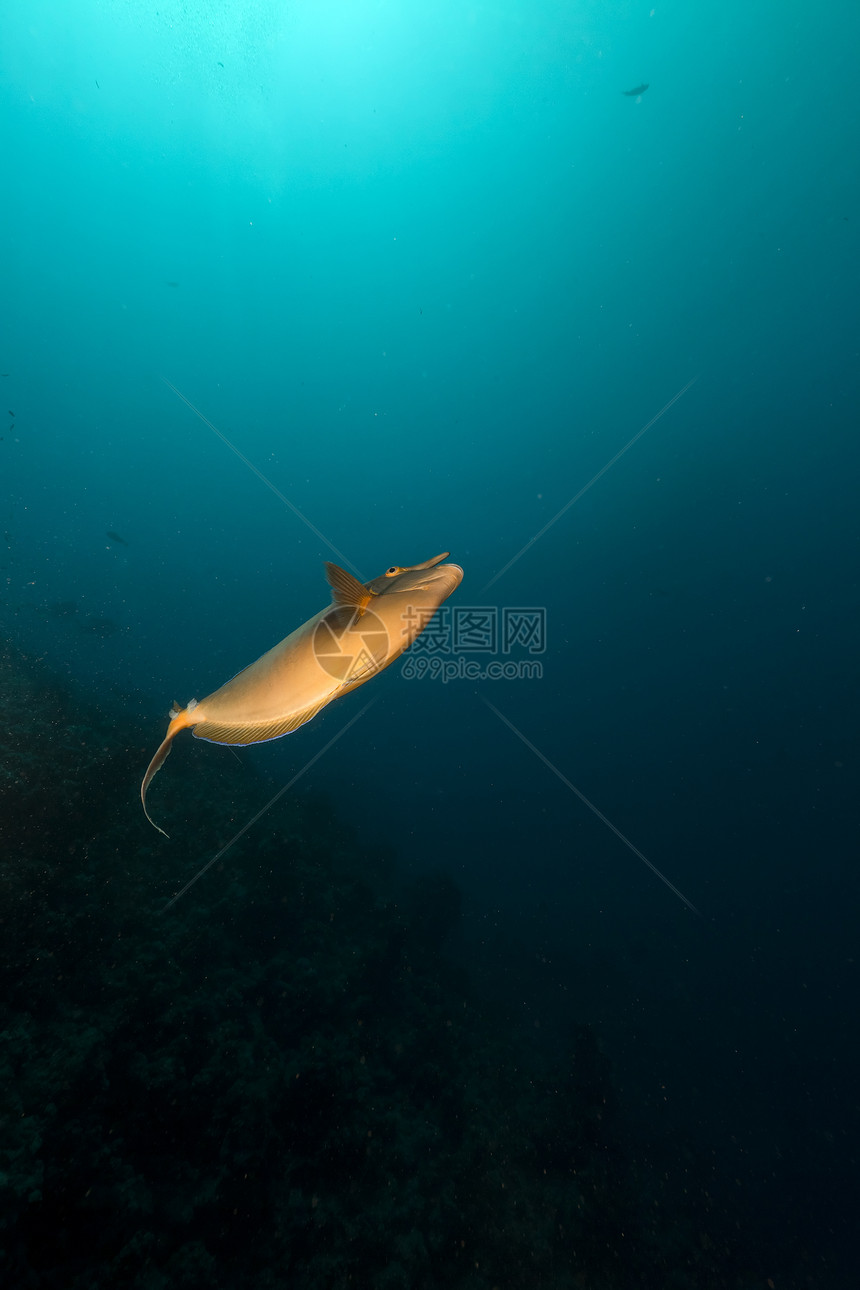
x=450, y=575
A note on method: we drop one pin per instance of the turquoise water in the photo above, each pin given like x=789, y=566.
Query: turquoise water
x=427, y=271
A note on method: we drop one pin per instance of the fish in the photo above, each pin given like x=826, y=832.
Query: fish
x=632, y=94
x=366, y=627
x=115, y=537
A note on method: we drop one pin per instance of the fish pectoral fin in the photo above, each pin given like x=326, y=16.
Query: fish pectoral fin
x=346, y=589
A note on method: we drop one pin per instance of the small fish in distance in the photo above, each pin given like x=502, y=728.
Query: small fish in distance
x=633, y=94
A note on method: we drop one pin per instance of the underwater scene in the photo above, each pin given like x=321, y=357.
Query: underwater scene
x=429, y=460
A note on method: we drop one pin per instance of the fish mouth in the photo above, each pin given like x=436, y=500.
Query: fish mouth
x=453, y=569
x=448, y=575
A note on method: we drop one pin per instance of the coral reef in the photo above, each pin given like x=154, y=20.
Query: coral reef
x=280, y=1080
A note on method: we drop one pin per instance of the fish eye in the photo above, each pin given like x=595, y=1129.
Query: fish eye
x=393, y=569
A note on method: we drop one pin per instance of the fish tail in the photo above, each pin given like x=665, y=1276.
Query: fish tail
x=179, y=721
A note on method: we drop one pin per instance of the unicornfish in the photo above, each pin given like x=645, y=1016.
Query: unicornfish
x=367, y=626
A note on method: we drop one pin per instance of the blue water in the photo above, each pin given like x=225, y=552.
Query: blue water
x=430, y=270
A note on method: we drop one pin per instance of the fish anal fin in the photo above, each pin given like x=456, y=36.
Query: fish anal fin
x=259, y=732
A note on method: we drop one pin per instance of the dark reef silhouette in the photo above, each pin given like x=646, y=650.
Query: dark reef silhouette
x=285, y=1079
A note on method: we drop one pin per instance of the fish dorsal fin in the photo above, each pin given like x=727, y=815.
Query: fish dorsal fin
x=347, y=590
